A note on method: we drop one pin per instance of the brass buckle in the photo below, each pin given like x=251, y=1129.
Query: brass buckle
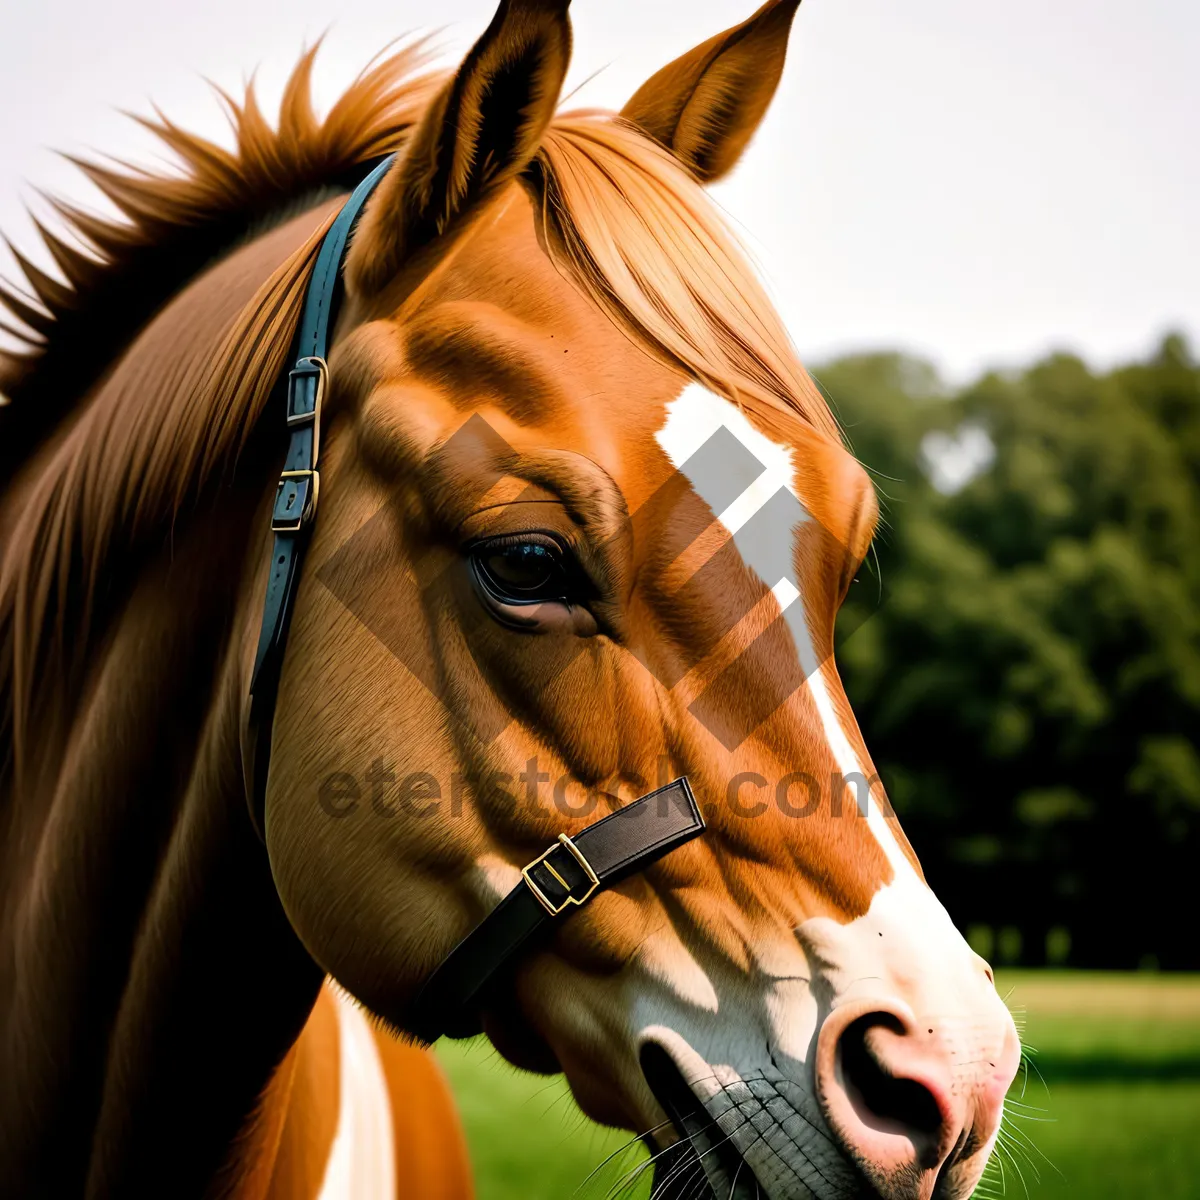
x=577, y=855
x=312, y=365
x=309, y=510
x=307, y=367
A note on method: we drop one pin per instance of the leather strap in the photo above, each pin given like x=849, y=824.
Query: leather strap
x=567, y=875
x=299, y=485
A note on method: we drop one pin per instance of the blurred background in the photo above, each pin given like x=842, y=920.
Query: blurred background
x=980, y=224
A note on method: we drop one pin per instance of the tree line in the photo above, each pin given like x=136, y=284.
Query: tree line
x=1023, y=647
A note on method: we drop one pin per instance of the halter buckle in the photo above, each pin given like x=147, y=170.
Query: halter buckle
x=571, y=898
x=310, y=367
x=296, y=498
x=283, y=520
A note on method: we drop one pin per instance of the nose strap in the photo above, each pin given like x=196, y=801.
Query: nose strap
x=561, y=879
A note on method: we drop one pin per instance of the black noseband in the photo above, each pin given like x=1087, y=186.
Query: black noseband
x=567, y=875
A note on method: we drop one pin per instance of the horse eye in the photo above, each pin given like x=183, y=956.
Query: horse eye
x=521, y=570
x=526, y=566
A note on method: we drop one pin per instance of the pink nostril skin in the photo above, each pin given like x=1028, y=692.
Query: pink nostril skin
x=906, y=1105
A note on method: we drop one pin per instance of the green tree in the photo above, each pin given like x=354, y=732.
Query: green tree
x=1025, y=659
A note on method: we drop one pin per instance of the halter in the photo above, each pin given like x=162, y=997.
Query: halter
x=567, y=874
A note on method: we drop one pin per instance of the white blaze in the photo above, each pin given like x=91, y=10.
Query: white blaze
x=904, y=946
x=692, y=419
x=906, y=904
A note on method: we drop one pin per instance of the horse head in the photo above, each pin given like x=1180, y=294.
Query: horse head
x=585, y=526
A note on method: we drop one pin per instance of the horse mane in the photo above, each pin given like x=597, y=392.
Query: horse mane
x=647, y=243
x=118, y=272
x=620, y=215
x=124, y=469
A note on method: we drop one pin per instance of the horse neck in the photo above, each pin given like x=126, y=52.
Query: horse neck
x=151, y=982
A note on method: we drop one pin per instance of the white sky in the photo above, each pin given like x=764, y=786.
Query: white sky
x=969, y=180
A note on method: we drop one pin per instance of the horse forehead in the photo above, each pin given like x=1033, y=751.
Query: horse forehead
x=501, y=293
x=502, y=262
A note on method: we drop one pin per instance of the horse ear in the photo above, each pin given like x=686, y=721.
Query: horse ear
x=705, y=106
x=480, y=131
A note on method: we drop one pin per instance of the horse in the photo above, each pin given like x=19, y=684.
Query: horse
x=585, y=526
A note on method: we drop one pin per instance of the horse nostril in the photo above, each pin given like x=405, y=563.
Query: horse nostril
x=887, y=1091
x=883, y=1099
x=911, y=1103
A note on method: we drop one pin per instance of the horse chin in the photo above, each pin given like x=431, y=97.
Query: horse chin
x=703, y=1162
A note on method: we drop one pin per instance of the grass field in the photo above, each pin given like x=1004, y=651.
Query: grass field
x=1115, y=1094
x=1110, y=1109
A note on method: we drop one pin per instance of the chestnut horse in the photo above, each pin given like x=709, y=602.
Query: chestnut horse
x=585, y=524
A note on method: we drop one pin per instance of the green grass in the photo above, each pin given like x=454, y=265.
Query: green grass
x=1127, y=1139
x=1112, y=1104
x=527, y=1138
x=1114, y=1096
